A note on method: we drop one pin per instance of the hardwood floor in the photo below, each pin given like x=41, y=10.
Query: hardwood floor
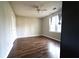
x=35, y=47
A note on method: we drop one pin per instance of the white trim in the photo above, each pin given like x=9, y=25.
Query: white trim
x=10, y=47
x=51, y=37
x=26, y=36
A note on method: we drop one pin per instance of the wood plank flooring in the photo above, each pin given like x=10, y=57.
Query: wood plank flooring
x=35, y=47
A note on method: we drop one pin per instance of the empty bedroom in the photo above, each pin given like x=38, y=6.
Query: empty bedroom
x=30, y=29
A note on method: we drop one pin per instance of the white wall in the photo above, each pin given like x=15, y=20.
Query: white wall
x=27, y=26
x=7, y=29
x=45, y=29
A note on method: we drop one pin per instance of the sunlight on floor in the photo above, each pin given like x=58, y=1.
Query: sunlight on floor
x=54, y=50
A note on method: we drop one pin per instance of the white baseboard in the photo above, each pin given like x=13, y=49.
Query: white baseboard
x=27, y=36
x=38, y=35
x=10, y=47
x=50, y=37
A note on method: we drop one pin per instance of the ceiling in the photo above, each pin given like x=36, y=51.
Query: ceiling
x=27, y=8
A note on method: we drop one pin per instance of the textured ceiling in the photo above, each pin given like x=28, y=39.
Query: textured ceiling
x=27, y=8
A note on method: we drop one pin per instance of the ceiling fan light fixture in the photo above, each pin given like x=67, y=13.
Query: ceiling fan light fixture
x=38, y=9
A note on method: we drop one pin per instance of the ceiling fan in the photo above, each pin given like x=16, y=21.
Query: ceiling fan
x=38, y=9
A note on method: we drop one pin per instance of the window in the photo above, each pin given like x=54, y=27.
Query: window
x=55, y=23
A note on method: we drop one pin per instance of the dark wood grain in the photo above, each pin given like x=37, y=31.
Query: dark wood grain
x=35, y=47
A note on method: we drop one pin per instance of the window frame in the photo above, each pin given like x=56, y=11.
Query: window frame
x=50, y=19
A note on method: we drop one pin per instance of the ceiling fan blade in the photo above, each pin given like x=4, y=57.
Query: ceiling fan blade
x=43, y=9
x=38, y=8
x=34, y=6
